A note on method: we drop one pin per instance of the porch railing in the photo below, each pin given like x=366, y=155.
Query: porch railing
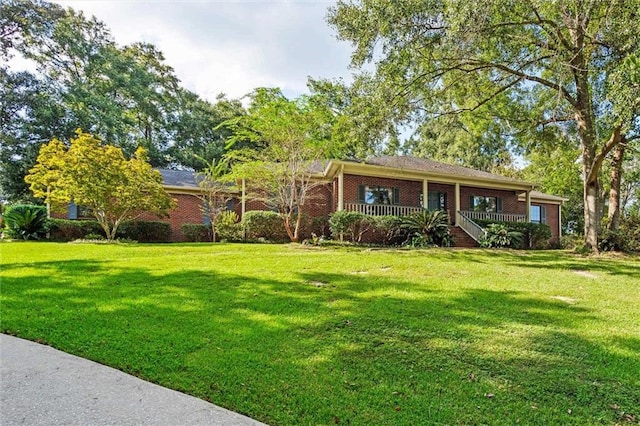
x=467, y=224
x=381, y=209
x=498, y=217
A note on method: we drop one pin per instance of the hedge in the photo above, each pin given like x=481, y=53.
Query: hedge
x=197, y=232
x=264, y=224
x=145, y=231
x=68, y=230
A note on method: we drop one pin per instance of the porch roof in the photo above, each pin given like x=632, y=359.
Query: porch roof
x=422, y=168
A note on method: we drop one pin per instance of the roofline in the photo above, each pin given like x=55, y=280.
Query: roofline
x=393, y=172
x=546, y=198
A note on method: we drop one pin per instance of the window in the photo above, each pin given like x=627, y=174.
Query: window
x=75, y=211
x=479, y=203
x=538, y=214
x=378, y=195
x=437, y=201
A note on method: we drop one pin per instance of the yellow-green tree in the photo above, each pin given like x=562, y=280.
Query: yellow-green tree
x=99, y=177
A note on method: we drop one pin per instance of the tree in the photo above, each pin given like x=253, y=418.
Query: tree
x=100, y=178
x=563, y=60
x=29, y=117
x=288, y=137
x=215, y=186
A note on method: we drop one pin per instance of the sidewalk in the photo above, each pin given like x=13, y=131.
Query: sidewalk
x=40, y=385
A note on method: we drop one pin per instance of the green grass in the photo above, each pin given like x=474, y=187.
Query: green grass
x=296, y=335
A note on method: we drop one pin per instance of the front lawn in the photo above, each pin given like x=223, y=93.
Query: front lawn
x=304, y=335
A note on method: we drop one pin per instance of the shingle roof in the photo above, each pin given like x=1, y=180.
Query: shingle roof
x=425, y=165
x=179, y=178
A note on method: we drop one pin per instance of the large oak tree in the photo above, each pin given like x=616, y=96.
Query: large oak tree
x=566, y=62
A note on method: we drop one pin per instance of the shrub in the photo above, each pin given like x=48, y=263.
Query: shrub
x=500, y=236
x=264, y=224
x=320, y=226
x=68, y=230
x=196, y=232
x=353, y=224
x=534, y=235
x=430, y=226
x=227, y=226
x=26, y=221
x=626, y=238
x=99, y=237
x=571, y=241
x=145, y=231
x=390, y=229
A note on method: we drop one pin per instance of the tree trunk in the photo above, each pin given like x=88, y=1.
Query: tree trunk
x=591, y=214
x=613, y=216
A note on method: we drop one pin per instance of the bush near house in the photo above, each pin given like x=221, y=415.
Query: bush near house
x=145, y=231
x=500, y=236
x=428, y=228
x=25, y=222
x=264, y=224
x=68, y=230
x=534, y=235
x=352, y=225
x=197, y=232
x=228, y=227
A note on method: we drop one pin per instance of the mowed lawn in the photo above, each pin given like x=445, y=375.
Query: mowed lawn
x=304, y=335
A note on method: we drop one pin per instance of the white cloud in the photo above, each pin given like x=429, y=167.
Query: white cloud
x=230, y=47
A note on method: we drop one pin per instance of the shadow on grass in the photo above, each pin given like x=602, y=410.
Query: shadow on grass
x=328, y=348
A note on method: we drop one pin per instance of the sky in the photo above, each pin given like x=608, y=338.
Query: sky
x=230, y=46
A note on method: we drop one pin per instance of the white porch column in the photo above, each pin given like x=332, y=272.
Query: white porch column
x=527, y=203
x=341, y=189
x=457, y=205
x=560, y=221
x=425, y=194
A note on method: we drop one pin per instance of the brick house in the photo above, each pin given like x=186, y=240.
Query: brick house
x=391, y=185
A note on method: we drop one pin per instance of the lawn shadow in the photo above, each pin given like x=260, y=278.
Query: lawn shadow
x=327, y=346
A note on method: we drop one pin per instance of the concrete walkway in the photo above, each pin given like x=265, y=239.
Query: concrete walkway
x=43, y=386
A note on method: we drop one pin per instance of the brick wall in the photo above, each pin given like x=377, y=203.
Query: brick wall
x=187, y=210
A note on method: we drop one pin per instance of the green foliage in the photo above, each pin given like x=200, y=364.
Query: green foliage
x=196, y=232
x=25, y=221
x=145, y=231
x=352, y=224
x=228, y=227
x=68, y=230
x=534, y=235
x=94, y=237
x=505, y=62
x=286, y=138
x=390, y=229
x=626, y=238
x=499, y=236
x=100, y=178
x=127, y=95
x=428, y=227
x=264, y=225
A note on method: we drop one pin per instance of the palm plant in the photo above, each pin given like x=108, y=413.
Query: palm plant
x=24, y=221
x=430, y=227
